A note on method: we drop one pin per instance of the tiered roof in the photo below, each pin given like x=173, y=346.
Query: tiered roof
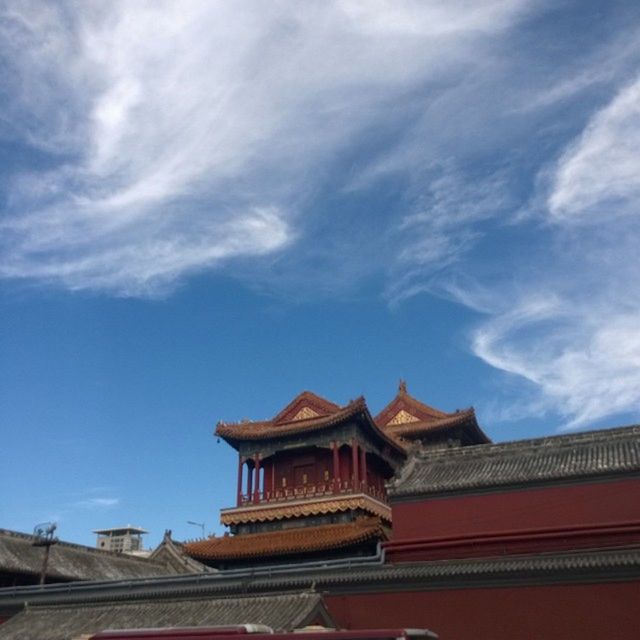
x=306, y=413
x=407, y=418
x=286, y=542
x=306, y=405
x=404, y=418
x=304, y=507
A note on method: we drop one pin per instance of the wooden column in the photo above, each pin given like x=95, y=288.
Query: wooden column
x=273, y=477
x=336, y=467
x=240, y=464
x=354, y=461
x=363, y=468
x=249, y=480
x=256, y=494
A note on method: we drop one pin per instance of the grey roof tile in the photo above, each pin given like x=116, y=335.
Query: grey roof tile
x=281, y=612
x=69, y=561
x=589, y=454
x=345, y=577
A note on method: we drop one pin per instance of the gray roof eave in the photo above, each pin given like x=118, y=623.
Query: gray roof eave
x=567, y=458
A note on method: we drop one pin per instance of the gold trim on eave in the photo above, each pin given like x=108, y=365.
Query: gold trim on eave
x=280, y=510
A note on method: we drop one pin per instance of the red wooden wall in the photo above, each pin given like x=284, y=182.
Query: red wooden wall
x=585, y=515
x=607, y=611
x=317, y=465
x=595, y=503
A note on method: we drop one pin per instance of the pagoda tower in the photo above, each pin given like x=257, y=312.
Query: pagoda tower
x=411, y=421
x=311, y=481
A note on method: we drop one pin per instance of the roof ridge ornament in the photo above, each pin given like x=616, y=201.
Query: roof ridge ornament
x=402, y=387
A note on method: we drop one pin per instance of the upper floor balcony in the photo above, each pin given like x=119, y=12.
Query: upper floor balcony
x=312, y=490
x=310, y=500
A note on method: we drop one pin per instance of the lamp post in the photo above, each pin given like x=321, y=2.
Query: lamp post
x=197, y=524
x=43, y=537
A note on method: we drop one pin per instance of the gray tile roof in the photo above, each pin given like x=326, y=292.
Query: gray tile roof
x=589, y=565
x=584, y=455
x=69, y=561
x=281, y=612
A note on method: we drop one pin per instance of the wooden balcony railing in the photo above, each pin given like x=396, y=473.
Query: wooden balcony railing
x=324, y=489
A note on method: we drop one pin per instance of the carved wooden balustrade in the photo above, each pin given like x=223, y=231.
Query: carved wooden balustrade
x=319, y=490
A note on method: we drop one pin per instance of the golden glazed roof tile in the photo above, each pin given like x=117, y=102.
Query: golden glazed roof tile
x=306, y=405
x=270, y=428
x=406, y=417
x=403, y=429
x=266, y=429
x=404, y=405
x=287, y=541
x=305, y=507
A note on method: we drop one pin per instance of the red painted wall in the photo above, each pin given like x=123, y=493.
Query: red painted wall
x=589, y=503
x=317, y=464
x=554, y=612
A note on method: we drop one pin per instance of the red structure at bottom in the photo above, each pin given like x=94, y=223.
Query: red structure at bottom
x=547, y=612
x=411, y=519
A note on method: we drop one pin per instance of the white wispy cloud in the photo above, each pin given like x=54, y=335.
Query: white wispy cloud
x=599, y=175
x=170, y=138
x=181, y=135
x=572, y=328
x=441, y=228
x=96, y=503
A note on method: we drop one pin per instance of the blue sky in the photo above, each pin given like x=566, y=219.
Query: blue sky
x=207, y=207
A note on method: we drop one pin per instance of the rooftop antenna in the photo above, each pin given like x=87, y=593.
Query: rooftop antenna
x=197, y=524
x=43, y=537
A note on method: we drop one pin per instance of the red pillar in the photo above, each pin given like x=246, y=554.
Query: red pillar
x=265, y=477
x=240, y=463
x=256, y=494
x=354, y=459
x=336, y=467
x=273, y=477
x=249, y=481
x=363, y=468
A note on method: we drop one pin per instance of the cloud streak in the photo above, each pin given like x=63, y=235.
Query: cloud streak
x=573, y=330
x=97, y=503
x=182, y=135
x=173, y=138
x=599, y=174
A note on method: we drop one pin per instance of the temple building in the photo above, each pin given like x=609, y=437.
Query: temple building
x=409, y=519
x=410, y=421
x=311, y=481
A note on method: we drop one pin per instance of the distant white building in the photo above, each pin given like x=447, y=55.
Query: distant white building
x=121, y=539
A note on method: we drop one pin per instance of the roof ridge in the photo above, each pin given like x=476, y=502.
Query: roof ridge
x=302, y=539
x=363, y=523
x=605, y=452
x=266, y=596
x=237, y=431
x=530, y=444
x=403, y=396
x=76, y=545
x=344, y=409
x=460, y=414
x=264, y=584
x=313, y=398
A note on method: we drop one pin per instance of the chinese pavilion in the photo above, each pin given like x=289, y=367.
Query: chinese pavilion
x=311, y=481
x=410, y=420
x=535, y=538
